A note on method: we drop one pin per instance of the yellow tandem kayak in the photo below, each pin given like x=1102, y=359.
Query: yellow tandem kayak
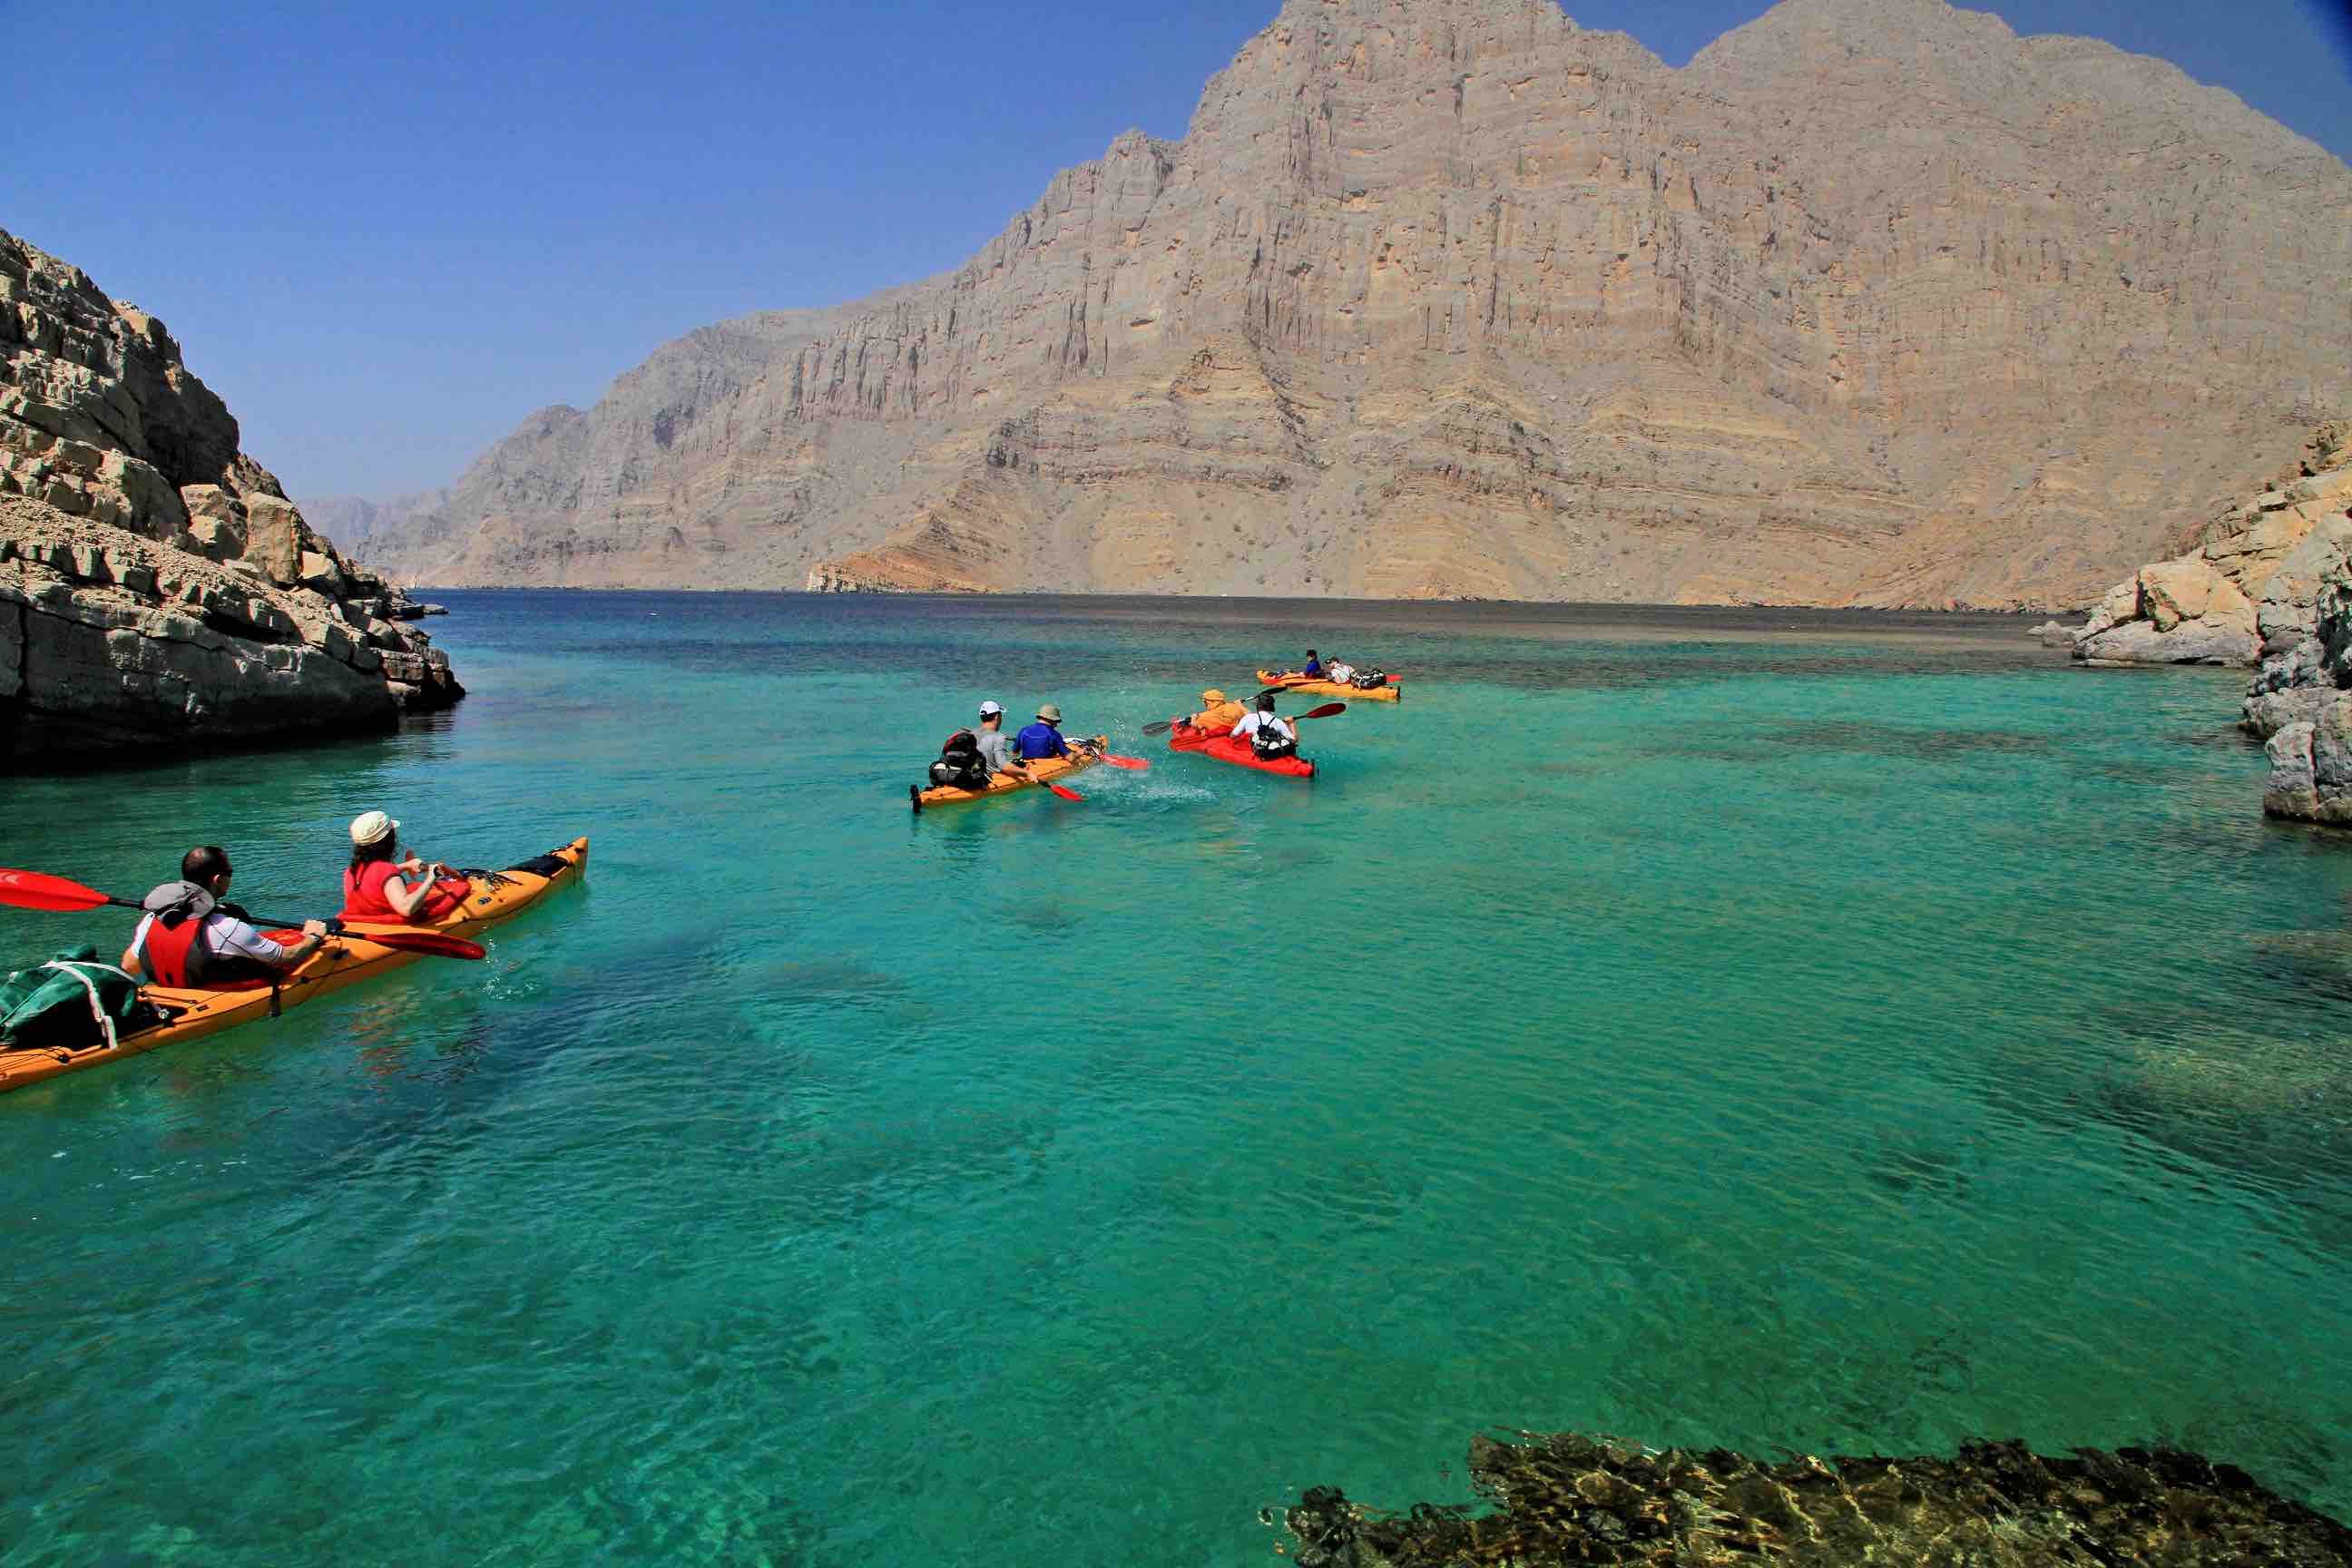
x=1045, y=771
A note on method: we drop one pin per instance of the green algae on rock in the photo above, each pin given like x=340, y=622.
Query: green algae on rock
x=1566, y=1499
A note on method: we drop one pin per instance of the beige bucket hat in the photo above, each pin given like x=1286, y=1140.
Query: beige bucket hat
x=372, y=827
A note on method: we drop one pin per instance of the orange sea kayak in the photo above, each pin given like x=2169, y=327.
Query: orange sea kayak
x=175, y=1014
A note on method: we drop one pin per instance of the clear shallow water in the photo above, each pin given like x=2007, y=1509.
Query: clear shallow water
x=1763, y=1029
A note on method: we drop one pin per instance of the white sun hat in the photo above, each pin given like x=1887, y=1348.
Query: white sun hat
x=373, y=826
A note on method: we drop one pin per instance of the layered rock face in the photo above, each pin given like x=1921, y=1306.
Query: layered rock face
x=156, y=586
x=2249, y=590
x=1872, y=304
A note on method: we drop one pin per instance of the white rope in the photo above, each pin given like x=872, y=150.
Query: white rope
x=97, y=1009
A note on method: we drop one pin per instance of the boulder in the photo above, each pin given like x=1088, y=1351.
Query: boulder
x=2171, y=591
x=2227, y=605
x=320, y=573
x=2289, y=601
x=274, y=538
x=2121, y=603
x=2188, y=642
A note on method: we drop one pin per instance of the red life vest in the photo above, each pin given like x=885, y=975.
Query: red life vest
x=174, y=955
x=363, y=897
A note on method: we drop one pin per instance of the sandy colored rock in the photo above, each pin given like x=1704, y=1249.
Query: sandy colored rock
x=2171, y=591
x=2188, y=642
x=1873, y=302
x=2227, y=605
x=155, y=583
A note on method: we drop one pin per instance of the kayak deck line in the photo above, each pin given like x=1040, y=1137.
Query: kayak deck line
x=191, y=1013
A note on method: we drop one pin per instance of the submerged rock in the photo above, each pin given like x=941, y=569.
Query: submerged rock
x=1566, y=1499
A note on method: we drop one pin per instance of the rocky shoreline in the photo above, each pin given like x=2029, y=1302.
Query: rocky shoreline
x=2271, y=587
x=2249, y=590
x=1566, y=1499
x=158, y=591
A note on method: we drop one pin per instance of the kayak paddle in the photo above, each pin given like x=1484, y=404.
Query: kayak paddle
x=1329, y=710
x=1066, y=794
x=1132, y=764
x=56, y=895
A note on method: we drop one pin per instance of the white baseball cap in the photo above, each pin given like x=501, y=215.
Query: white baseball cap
x=370, y=826
x=992, y=709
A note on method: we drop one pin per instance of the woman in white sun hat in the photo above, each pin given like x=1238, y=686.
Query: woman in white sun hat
x=384, y=884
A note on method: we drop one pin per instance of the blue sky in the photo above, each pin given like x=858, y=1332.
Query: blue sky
x=385, y=234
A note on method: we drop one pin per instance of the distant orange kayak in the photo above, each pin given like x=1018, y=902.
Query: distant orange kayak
x=1331, y=688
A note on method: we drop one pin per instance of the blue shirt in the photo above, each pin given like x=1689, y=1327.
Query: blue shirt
x=1041, y=740
x=1314, y=666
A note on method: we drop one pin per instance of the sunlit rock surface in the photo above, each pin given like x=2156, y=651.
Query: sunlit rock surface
x=157, y=589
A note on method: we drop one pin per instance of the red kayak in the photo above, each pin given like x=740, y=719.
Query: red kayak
x=1229, y=748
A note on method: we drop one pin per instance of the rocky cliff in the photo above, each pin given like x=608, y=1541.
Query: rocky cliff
x=1873, y=302
x=157, y=588
x=2249, y=591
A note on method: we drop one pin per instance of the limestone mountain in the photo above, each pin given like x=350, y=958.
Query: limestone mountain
x=1873, y=302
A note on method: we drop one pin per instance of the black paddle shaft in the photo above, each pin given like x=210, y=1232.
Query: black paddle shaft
x=334, y=924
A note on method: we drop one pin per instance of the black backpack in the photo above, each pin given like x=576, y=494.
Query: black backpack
x=1369, y=679
x=1269, y=742
x=960, y=763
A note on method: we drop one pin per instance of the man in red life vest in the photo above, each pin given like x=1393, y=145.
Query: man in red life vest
x=189, y=937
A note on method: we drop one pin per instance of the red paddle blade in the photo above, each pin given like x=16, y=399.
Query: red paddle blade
x=1066, y=794
x=1329, y=710
x=1132, y=764
x=430, y=943
x=34, y=891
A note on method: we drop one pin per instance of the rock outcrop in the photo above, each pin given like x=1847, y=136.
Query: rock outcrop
x=156, y=586
x=1565, y=1499
x=2247, y=592
x=1873, y=302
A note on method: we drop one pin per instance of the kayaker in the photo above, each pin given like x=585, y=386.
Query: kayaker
x=192, y=936
x=378, y=887
x=995, y=745
x=1270, y=737
x=1219, y=713
x=1043, y=738
x=1313, y=670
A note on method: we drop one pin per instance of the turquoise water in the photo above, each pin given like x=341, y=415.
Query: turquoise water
x=1867, y=1035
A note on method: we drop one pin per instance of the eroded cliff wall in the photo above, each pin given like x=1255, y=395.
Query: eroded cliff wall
x=1873, y=302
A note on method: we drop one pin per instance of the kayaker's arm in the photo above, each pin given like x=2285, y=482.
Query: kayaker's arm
x=129, y=965
x=314, y=937
x=404, y=895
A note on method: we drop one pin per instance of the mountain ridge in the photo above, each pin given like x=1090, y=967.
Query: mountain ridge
x=1441, y=296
